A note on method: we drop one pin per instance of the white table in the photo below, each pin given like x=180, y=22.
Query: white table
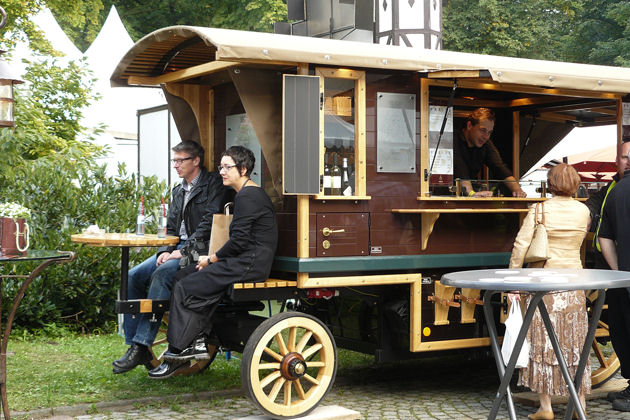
x=538, y=282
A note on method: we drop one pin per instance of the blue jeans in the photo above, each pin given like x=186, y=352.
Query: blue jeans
x=158, y=280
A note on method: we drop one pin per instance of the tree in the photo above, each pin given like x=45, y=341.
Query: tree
x=529, y=29
x=82, y=19
x=601, y=34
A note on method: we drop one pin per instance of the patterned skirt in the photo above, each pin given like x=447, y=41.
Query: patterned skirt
x=567, y=311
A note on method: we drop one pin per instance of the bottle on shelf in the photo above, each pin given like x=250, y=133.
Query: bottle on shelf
x=335, y=174
x=327, y=178
x=346, y=187
x=140, y=219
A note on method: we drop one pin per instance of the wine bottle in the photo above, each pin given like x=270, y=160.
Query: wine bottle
x=327, y=178
x=346, y=187
x=335, y=177
x=140, y=219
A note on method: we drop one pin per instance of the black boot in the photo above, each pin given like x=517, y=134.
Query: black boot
x=137, y=355
x=123, y=359
x=167, y=369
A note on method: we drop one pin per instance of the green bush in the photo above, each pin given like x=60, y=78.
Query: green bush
x=82, y=292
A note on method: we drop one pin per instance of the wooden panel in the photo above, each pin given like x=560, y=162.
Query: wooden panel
x=198, y=97
x=352, y=236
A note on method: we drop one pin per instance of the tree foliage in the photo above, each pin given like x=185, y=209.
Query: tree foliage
x=49, y=165
x=82, y=20
x=601, y=34
x=530, y=29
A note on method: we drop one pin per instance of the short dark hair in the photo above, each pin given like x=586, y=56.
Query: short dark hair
x=563, y=180
x=193, y=149
x=242, y=157
x=480, y=114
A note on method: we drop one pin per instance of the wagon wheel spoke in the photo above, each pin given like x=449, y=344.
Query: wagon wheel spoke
x=281, y=345
x=270, y=378
x=316, y=364
x=298, y=388
x=311, y=351
x=275, y=390
x=292, y=336
x=300, y=346
x=310, y=379
x=287, y=393
x=272, y=354
x=600, y=355
x=267, y=366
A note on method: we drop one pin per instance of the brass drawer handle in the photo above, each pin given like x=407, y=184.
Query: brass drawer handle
x=327, y=231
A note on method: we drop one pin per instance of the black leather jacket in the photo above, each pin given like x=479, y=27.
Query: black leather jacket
x=207, y=198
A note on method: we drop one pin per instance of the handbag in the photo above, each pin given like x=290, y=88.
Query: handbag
x=513, y=325
x=539, y=246
x=220, y=232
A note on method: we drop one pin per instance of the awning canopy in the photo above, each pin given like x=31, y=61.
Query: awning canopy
x=180, y=47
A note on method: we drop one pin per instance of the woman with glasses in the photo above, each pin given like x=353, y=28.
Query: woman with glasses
x=245, y=257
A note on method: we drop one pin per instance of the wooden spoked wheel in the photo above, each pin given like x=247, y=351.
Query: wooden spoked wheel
x=289, y=364
x=160, y=345
x=603, y=351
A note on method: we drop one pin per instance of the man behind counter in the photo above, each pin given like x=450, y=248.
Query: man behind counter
x=473, y=149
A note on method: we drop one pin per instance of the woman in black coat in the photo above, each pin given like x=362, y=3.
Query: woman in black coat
x=245, y=257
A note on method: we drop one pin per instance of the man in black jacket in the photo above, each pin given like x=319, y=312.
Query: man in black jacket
x=614, y=243
x=200, y=195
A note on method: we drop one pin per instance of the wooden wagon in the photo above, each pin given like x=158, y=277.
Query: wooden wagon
x=359, y=266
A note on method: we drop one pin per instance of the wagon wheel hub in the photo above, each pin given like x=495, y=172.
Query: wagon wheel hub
x=293, y=366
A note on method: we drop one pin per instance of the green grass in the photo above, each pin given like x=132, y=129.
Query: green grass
x=44, y=372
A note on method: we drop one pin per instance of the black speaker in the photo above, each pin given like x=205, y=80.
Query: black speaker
x=295, y=10
x=364, y=14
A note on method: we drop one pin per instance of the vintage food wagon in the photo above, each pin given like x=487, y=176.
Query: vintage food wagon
x=359, y=259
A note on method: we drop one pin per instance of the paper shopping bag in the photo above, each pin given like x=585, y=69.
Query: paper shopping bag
x=513, y=325
x=220, y=232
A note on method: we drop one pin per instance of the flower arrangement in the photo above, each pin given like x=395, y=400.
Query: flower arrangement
x=14, y=211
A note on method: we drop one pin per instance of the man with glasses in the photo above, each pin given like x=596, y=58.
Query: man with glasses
x=473, y=149
x=194, y=202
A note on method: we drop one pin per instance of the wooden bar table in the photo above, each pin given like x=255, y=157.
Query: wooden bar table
x=124, y=241
x=45, y=258
x=538, y=282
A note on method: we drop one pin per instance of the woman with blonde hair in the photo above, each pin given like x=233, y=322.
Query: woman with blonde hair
x=565, y=220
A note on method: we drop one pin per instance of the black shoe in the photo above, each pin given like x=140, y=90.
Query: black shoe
x=138, y=355
x=123, y=359
x=616, y=395
x=621, y=404
x=197, y=351
x=167, y=369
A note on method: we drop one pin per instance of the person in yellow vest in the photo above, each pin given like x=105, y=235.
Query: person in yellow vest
x=618, y=299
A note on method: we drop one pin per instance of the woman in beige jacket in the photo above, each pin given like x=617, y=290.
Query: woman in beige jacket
x=566, y=222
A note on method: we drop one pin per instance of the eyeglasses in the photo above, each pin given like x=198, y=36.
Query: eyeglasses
x=225, y=168
x=180, y=161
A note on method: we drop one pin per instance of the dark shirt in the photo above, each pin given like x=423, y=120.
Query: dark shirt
x=616, y=220
x=254, y=229
x=468, y=161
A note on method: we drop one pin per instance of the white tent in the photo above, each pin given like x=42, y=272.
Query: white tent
x=118, y=107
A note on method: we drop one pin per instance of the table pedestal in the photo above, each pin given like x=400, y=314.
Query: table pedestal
x=506, y=372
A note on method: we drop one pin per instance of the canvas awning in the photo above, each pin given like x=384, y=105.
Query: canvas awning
x=179, y=47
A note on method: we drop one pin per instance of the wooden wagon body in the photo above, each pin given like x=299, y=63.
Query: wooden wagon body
x=366, y=261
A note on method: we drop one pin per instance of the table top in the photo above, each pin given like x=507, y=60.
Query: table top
x=538, y=279
x=33, y=254
x=123, y=239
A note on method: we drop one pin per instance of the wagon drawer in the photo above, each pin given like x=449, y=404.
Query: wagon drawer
x=342, y=234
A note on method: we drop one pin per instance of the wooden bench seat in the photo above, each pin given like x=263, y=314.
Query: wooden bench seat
x=269, y=283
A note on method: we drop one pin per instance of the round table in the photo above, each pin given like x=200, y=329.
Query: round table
x=538, y=282
x=124, y=241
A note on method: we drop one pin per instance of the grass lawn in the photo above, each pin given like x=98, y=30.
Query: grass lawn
x=72, y=369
